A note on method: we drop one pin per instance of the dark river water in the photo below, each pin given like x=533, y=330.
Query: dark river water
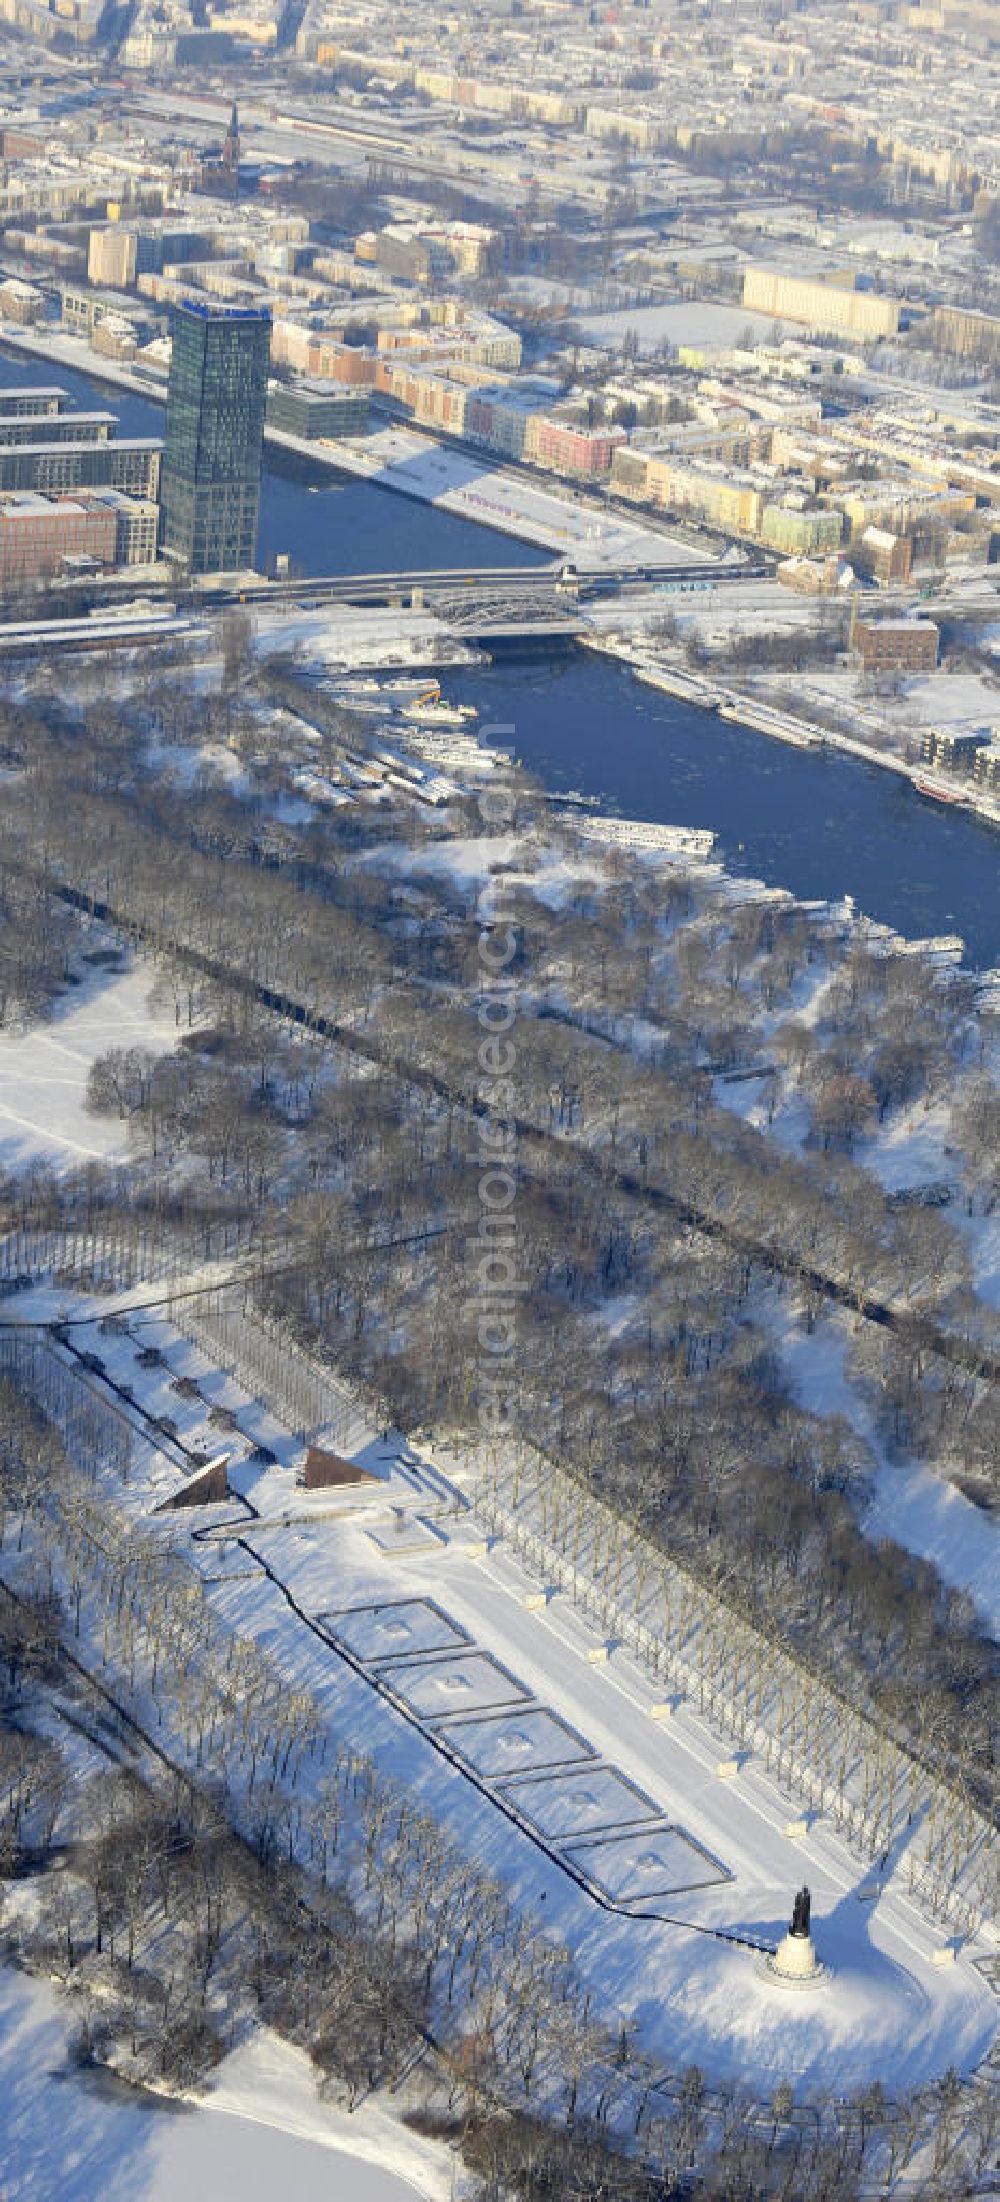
x=325, y=526
x=822, y=825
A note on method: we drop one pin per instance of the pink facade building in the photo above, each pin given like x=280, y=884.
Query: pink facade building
x=566, y=449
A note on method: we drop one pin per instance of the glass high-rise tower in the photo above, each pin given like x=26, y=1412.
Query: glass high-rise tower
x=210, y=485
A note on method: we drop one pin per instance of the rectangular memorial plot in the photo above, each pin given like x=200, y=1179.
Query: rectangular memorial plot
x=583, y=1798
x=403, y=1534
x=471, y=1682
x=396, y=1630
x=518, y=1742
x=653, y=1862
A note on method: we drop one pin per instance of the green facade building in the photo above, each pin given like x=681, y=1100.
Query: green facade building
x=316, y=410
x=215, y=427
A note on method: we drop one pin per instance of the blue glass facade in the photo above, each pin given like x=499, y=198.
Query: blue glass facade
x=215, y=427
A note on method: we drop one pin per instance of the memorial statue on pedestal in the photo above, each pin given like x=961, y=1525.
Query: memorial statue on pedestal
x=800, y=1913
x=794, y=1963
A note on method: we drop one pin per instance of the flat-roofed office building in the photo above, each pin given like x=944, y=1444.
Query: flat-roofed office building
x=131, y=463
x=215, y=429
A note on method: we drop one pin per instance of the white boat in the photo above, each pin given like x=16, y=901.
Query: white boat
x=364, y=707
x=423, y=689
x=440, y=714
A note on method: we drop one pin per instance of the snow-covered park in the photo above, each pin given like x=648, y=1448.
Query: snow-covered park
x=71, y=2136
x=627, y=1823
x=615, y=1810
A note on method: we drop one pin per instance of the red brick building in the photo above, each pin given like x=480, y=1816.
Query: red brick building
x=896, y=645
x=37, y=533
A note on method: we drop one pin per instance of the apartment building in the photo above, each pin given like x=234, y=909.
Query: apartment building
x=585, y=453
x=836, y=309
x=957, y=749
x=21, y=302
x=499, y=418
x=716, y=495
x=966, y=334
x=112, y=257
x=131, y=463
x=137, y=523
x=800, y=529
x=315, y=409
x=987, y=766
x=883, y=557
x=46, y=401
x=23, y=428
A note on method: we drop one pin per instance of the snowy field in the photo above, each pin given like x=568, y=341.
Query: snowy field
x=452, y=1688
x=578, y=1801
x=647, y=1868
x=44, y=1071
x=698, y=322
x=351, y=637
x=466, y=859
x=951, y=702
x=387, y=1632
x=260, y=2131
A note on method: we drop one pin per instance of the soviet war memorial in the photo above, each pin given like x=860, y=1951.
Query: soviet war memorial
x=500, y=1102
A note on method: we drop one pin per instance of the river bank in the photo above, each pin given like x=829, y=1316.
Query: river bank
x=817, y=821
x=508, y=504
x=812, y=816
x=750, y=710
x=409, y=463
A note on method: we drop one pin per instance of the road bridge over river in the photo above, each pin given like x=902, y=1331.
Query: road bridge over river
x=458, y=583
x=484, y=603
x=491, y=603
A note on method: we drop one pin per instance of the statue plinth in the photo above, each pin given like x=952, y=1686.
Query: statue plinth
x=795, y=1958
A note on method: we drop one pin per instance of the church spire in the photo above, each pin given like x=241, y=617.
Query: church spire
x=231, y=151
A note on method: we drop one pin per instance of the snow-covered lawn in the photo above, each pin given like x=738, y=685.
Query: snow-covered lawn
x=469, y=859
x=699, y=322
x=260, y=2131
x=44, y=1071
x=351, y=636
x=929, y=1516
